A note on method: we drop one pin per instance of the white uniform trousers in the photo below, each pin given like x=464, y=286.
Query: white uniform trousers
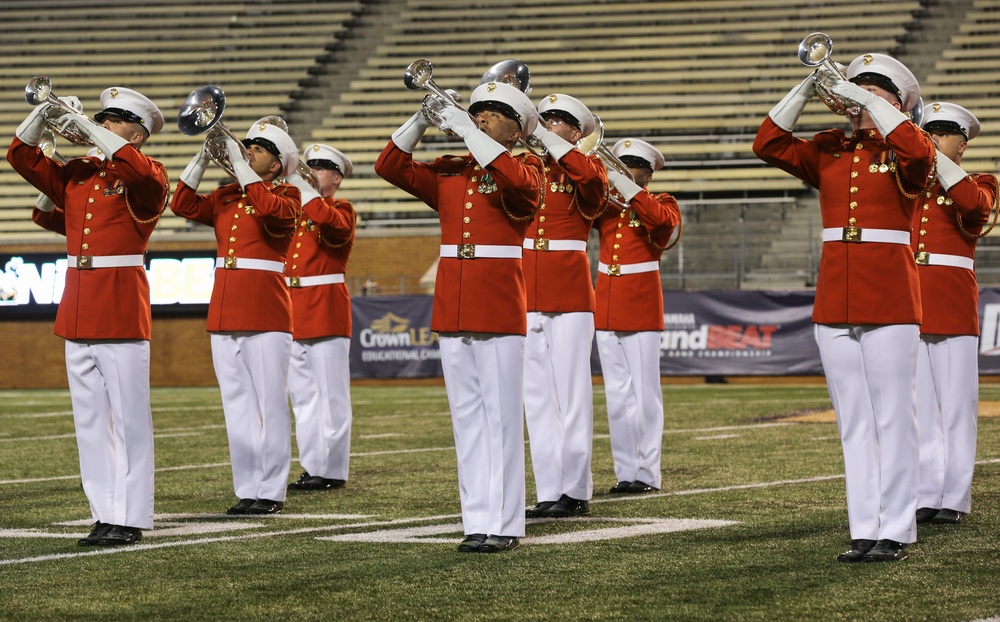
x=319, y=382
x=947, y=411
x=870, y=373
x=559, y=403
x=109, y=388
x=252, y=369
x=483, y=376
x=630, y=363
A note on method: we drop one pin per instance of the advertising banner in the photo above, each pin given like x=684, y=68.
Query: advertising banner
x=706, y=333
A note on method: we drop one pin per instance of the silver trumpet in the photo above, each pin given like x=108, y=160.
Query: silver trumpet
x=512, y=72
x=202, y=112
x=814, y=51
x=594, y=144
x=38, y=92
x=420, y=75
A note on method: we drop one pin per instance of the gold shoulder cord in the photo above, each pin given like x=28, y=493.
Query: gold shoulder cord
x=541, y=196
x=324, y=241
x=994, y=216
x=930, y=181
x=166, y=199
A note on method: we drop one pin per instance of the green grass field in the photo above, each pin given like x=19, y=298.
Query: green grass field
x=747, y=526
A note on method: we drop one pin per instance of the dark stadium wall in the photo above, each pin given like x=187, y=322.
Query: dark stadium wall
x=179, y=351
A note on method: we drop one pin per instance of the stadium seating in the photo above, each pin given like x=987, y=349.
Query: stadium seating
x=695, y=78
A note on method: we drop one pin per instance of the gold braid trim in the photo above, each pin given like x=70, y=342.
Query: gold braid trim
x=166, y=199
x=994, y=216
x=931, y=177
x=541, y=194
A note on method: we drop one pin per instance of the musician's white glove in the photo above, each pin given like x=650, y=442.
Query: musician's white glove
x=789, y=109
x=555, y=145
x=245, y=174
x=30, y=130
x=44, y=203
x=410, y=133
x=949, y=173
x=540, y=130
x=885, y=116
x=103, y=138
x=826, y=77
x=483, y=148
x=73, y=102
x=624, y=185
x=308, y=192
x=196, y=168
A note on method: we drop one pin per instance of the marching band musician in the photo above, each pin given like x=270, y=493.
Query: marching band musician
x=486, y=201
x=945, y=232
x=107, y=209
x=629, y=318
x=867, y=310
x=558, y=393
x=250, y=312
x=319, y=376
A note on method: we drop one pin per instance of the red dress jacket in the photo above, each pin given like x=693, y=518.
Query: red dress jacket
x=867, y=282
x=105, y=208
x=634, y=302
x=492, y=206
x=576, y=192
x=950, y=295
x=258, y=224
x=323, y=238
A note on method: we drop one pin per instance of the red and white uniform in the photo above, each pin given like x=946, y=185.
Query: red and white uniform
x=629, y=324
x=558, y=393
x=480, y=313
x=250, y=318
x=107, y=211
x=867, y=308
x=319, y=377
x=947, y=361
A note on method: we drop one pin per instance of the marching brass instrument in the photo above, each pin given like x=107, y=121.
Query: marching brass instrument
x=512, y=72
x=420, y=75
x=302, y=169
x=39, y=91
x=814, y=51
x=594, y=144
x=47, y=143
x=202, y=112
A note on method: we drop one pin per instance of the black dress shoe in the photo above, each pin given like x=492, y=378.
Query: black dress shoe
x=565, y=507
x=620, y=487
x=496, y=544
x=857, y=551
x=947, y=517
x=887, y=551
x=316, y=483
x=536, y=512
x=241, y=508
x=96, y=532
x=119, y=534
x=302, y=479
x=265, y=506
x=638, y=487
x=472, y=543
x=925, y=515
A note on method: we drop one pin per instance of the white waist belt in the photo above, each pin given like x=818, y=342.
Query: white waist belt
x=617, y=269
x=86, y=262
x=309, y=281
x=860, y=234
x=239, y=263
x=940, y=259
x=545, y=244
x=475, y=251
